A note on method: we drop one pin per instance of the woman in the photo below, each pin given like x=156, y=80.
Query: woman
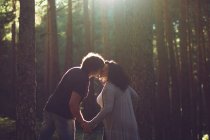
x=117, y=111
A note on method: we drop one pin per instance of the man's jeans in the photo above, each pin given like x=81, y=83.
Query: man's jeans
x=51, y=122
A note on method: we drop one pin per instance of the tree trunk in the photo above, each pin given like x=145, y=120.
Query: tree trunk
x=206, y=5
x=14, y=59
x=121, y=45
x=201, y=72
x=105, y=29
x=26, y=78
x=87, y=27
x=202, y=10
x=193, y=84
x=92, y=25
x=185, y=92
x=51, y=51
x=162, y=103
x=69, y=39
x=141, y=69
x=174, y=132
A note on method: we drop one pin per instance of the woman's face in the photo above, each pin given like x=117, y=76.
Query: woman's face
x=104, y=74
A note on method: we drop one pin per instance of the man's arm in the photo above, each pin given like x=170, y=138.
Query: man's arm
x=74, y=105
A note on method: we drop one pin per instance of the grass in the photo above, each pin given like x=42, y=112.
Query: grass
x=7, y=131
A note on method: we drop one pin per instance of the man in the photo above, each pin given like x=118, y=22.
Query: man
x=63, y=106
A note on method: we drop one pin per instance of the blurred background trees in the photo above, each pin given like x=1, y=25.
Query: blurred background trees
x=163, y=45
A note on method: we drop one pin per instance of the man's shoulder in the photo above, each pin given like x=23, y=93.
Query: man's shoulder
x=77, y=73
x=74, y=71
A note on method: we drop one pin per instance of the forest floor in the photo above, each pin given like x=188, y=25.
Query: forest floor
x=7, y=131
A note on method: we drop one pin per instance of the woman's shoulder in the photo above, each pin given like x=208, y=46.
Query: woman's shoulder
x=107, y=85
x=132, y=91
x=110, y=87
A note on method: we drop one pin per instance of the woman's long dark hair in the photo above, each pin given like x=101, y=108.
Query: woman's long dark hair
x=117, y=76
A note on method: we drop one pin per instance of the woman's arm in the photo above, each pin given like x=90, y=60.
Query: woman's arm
x=108, y=102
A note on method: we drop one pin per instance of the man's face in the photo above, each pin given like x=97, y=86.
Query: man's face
x=96, y=74
x=103, y=76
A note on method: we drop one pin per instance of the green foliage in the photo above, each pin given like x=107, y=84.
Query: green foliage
x=6, y=16
x=6, y=122
x=40, y=12
x=7, y=128
x=205, y=137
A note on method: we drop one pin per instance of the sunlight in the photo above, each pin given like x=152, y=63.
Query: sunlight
x=205, y=137
x=38, y=20
x=40, y=8
x=107, y=1
x=8, y=36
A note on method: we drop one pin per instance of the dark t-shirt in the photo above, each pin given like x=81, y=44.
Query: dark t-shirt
x=75, y=79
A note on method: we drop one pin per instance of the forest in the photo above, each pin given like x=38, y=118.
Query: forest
x=163, y=45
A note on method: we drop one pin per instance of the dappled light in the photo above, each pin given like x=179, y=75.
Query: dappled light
x=205, y=137
x=163, y=46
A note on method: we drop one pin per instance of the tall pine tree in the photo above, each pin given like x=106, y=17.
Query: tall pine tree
x=26, y=77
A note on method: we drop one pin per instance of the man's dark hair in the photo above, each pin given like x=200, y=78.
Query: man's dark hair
x=92, y=62
x=117, y=76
